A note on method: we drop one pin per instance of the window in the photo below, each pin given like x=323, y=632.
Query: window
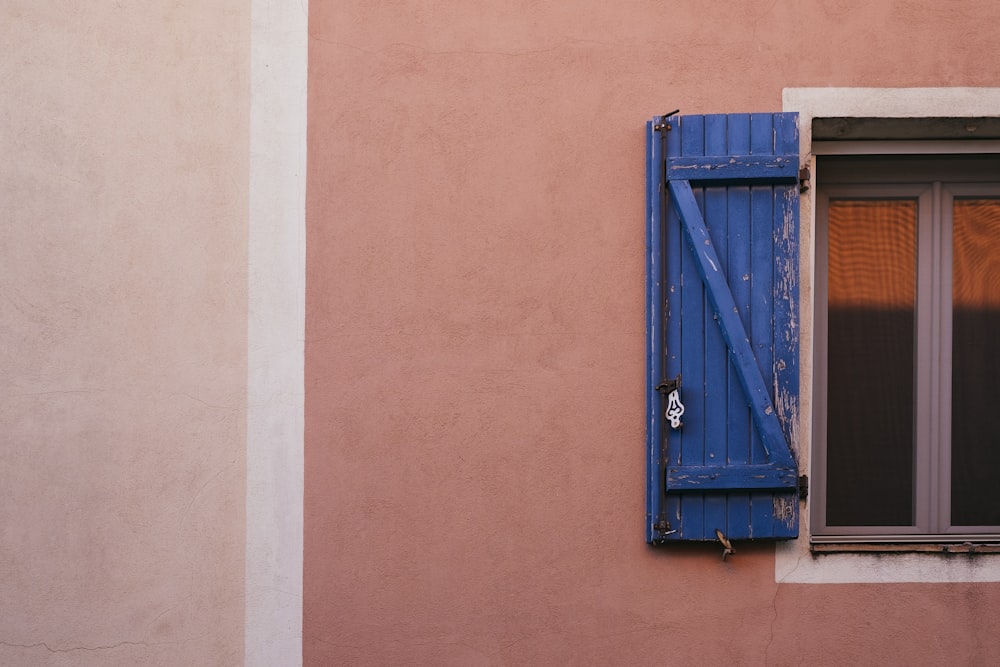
x=907, y=318
x=953, y=116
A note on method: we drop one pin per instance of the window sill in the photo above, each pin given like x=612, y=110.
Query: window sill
x=962, y=548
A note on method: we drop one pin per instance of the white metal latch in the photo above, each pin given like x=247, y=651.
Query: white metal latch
x=675, y=409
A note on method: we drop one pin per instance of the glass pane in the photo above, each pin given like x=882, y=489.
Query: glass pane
x=871, y=297
x=975, y=412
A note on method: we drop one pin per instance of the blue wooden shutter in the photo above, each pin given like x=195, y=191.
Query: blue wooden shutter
x=722, y=272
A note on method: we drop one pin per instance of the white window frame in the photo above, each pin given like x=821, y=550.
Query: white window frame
x=794, y=561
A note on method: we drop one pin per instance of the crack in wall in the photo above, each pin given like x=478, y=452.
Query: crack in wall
x=74, y=648
x=798, y=561
x=774, y=617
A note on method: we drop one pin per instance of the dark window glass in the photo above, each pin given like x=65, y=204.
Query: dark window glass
x=871, y=298
x=975, y=410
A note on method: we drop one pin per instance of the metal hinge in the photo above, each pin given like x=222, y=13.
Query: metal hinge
x=663, y=527
x=803, y=486
x=664, y=126
x=668, y=386
x=804, y=176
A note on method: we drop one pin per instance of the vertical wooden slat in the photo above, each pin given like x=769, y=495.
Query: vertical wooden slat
x=762, y=314
x=761, y=134
x=714, y=207
x=786, y=251
x=692, y=131
x=785, y=340
x=762, y=263
x=739, y=269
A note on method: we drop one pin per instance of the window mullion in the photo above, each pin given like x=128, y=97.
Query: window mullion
x=945, y=321
x=925, y=370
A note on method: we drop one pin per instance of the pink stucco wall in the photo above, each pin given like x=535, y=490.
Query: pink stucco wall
x=123, y=318
x=474, y=335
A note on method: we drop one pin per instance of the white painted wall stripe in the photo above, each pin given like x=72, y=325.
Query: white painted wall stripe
x=276, y=332
x=794, y=563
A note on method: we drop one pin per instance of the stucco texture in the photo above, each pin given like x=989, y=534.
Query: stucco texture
x=475, y=346
x=123, y=326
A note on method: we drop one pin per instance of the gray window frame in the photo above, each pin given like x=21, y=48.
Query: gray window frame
x=934, y=179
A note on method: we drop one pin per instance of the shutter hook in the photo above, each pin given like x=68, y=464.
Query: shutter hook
x=728, y=547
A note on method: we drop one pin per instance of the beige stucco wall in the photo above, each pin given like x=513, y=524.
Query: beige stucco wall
x=123, y=241
x=475, y=356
